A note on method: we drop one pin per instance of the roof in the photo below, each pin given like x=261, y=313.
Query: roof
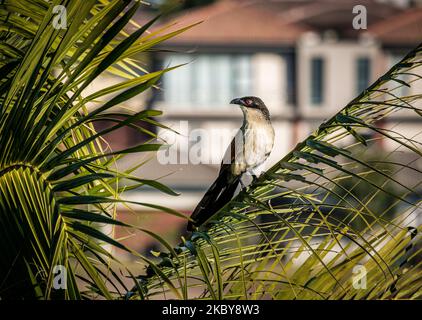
x=403, y=29
x=280, y=23
x=237, y=23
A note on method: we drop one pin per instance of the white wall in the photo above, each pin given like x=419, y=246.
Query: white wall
x=269, y=80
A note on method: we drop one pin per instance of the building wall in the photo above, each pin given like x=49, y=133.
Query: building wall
x=339, y=85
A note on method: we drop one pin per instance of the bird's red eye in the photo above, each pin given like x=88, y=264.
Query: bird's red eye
x=248, y=102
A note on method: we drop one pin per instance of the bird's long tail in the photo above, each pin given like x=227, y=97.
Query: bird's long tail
x=220, y=192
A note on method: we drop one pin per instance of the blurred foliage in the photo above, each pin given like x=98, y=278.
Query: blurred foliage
x=350, y=189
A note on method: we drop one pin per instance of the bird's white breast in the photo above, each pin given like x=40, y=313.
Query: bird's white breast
x=258, y=136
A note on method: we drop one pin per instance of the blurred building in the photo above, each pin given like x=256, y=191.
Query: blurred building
x=303, y=58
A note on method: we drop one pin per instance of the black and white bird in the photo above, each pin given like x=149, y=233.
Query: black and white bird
x=249, y=149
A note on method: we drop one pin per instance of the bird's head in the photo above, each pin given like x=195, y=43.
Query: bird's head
x=251, y=102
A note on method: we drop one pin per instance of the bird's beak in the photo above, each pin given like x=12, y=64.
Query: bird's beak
x=237, y=101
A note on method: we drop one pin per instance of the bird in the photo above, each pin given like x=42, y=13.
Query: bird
x=250, y=147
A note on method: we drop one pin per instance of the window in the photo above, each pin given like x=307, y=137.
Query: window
x=208, y=80
x=363, y=74
x=317, y=81
x=290, y=79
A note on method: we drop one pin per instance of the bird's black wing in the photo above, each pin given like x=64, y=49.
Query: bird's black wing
x=220, y=192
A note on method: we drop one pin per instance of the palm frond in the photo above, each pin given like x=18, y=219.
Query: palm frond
x=57, y=180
